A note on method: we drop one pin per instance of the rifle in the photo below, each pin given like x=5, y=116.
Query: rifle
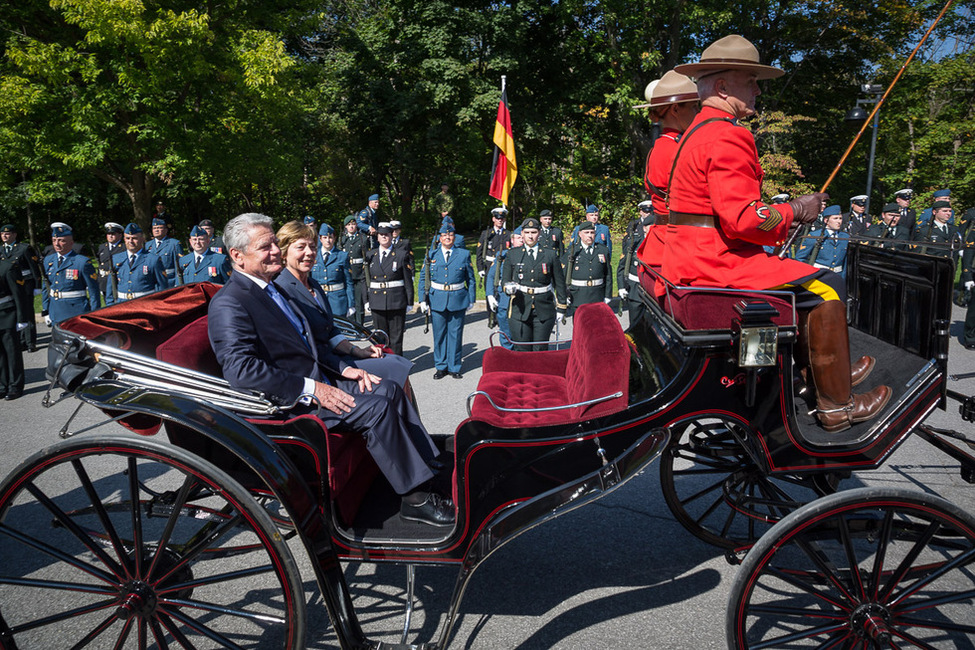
x=426, y=287
x=631, y=244
x=492, y=318
x=568, y=275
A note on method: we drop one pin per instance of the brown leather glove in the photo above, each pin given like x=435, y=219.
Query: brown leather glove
x=806, y=208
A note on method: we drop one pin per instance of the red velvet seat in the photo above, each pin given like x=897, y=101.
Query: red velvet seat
x=597, y=364
x=714, y=309
x=351, y=469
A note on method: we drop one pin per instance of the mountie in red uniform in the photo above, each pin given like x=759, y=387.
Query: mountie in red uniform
x=657, y=176
x=718, y=175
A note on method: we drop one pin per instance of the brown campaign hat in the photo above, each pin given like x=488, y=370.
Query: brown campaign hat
x=732, y=52
x=672, y=88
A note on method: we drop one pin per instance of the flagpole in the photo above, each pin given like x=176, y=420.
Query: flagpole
x=504, y=80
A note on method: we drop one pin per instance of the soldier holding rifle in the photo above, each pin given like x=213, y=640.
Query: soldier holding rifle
x=532, y=277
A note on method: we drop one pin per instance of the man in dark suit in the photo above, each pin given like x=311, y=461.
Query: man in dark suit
x=264, y=343
x=534, y=279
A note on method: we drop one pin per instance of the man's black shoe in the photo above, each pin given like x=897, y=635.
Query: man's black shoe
x=456, y=375
x=440, y=374
x=14, y=395
x=435, y=510
x=970, y=346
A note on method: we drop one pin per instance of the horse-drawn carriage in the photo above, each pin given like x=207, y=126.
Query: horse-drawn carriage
x=180, y=531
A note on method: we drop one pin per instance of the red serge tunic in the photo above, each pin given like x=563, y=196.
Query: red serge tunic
x=659, y=161
x=718, y=174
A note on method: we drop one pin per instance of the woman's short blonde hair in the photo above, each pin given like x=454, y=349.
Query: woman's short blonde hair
x=292, y=232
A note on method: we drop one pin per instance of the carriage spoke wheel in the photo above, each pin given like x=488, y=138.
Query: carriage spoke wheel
x=867, y=568
x=718, y=493
x=114, y=541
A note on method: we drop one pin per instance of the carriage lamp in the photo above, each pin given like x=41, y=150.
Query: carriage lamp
x=758, y=338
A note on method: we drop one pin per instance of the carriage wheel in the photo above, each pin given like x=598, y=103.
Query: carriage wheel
x=867, y=568
x=126, y=542
x=718, y=493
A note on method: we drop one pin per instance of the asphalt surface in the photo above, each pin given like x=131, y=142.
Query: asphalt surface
x=620, y=573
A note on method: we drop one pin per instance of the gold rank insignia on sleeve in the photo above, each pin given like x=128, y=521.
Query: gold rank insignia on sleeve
x=769, y=217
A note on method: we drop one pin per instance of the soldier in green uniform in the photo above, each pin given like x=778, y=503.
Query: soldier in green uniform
x=443, y=203
x=550, y=236
x=939, y=230
x=27, y=264
x=588, y=270
x=534, y=279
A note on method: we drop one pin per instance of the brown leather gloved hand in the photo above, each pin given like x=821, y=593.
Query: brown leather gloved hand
x=806, y=208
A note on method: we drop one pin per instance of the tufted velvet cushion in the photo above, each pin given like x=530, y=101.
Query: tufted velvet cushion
x=714, y=310
x=597, y=364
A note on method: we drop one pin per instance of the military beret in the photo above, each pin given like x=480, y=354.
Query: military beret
x=904, y=193
x=586, y=225
x=8, y=227
x=832, y=211
x=373, y=197
x=384, y=228
x=325, y=229
x=937, y=205
x=892, y=207
x=206, y=223
x=155, y=222
x=591, y=208
x=859, y=199
x=780, y=198
x=308, y=220
x=198, y=231
x=545, y=213
x=111, y=226
x=134, y=229
x=395, y=225
x=499, y=213
x=59, y=229
x=345, y=222
x=646, y=206
x=530, y=222
x=447, y=228
x=940, y=194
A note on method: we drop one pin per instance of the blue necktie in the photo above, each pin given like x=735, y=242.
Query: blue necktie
x=283, y=305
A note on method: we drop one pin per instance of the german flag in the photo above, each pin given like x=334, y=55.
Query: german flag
x=505, y=167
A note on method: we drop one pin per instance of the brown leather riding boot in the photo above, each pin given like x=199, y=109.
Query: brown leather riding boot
x=829, y=359
x=858, y=371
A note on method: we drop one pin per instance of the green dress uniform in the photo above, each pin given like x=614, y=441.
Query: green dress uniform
x=356, y=245
x=589, y=275
x=932, y=232
x=536, y=283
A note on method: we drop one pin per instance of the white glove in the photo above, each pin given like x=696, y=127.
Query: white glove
x=607, y=300
x=350, y=313
x=48, y=321
x=470, y=307
x=969, y=285
x=492, y=303
x=568, y=300
x=368, y=310
x=482, y=274
x=21, y=326
x=37, y=292
x=511, y=288
x=424, y=307
x=623, y=294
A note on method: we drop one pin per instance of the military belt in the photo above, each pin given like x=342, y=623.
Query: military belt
x=357, y=260
x=588, y=283
x=835, y=269
x=695, y=220
x=387, y=285
x=633, y=277
x=329, y=288
x=135, y=294
x=58, y=295
x=489, y=258
x=169, y=271
x=445, y=287
x=533, y=291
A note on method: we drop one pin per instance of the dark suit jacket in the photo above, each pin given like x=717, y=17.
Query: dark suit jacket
x=257, y=346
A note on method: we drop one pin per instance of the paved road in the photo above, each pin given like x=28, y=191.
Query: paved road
x=620, y=573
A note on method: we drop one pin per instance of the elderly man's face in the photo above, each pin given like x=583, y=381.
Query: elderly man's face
x=741, y=89
x=517, y=240
x=62, y=245
x=134, y=242
x=262, y=257
x=374, y=204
